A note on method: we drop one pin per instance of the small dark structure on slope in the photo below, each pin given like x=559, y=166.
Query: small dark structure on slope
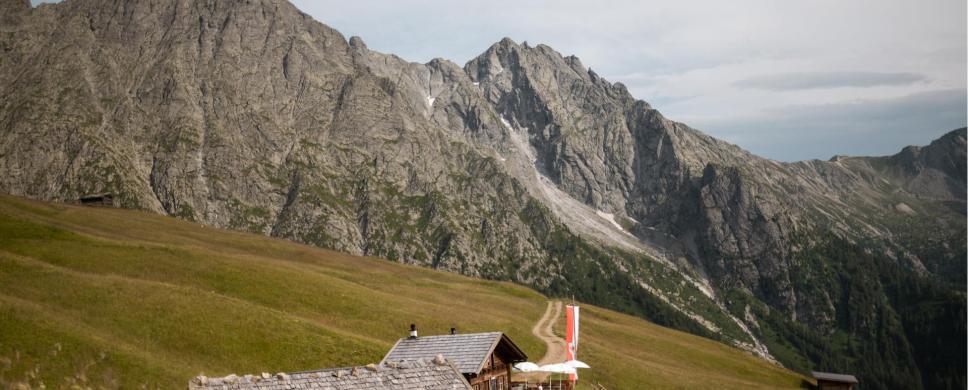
x=436, y=374
x=830, y=381
x=102, y=200
x=485, y=359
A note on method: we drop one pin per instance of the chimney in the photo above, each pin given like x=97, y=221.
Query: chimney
x=453, y=331
x=413, y=331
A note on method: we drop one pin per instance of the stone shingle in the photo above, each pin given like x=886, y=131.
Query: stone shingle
x=413, y=375
x=466, y=351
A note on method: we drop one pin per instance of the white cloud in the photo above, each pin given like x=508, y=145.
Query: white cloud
x=819, y=80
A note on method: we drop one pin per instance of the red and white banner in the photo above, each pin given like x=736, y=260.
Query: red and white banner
x=571, y=336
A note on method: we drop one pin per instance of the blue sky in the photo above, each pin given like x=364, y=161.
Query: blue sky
x=786, y=80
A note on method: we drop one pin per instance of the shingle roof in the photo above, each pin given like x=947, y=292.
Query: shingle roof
x=834, y=377
x=467, y=352
x=422, y=374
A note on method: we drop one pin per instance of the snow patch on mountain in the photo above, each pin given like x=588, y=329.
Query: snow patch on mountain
x=611, y=218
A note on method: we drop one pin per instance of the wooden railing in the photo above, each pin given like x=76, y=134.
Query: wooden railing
x=553, y=385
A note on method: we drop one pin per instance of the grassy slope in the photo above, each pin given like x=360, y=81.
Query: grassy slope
x=126, y=298
x=628, y=353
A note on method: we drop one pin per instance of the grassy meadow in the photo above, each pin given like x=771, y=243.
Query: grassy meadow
x=110, y=298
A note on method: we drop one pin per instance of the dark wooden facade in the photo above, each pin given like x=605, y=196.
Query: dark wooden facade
x=834, y=385
x=102, y=200
x=496, y=375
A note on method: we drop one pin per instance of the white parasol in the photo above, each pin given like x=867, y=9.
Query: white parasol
x=526, y=367
x=558, y=368
x=576, y=364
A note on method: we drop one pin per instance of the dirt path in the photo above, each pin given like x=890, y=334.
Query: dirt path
x=544, y=330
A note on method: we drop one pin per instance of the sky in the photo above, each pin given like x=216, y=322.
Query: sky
x=788, y=80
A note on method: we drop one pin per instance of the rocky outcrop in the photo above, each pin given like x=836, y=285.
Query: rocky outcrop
x=934, y=171
x=746, y=234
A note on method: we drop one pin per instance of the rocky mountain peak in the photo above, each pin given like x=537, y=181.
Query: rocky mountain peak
x=507, y=54
x=947, y=153
x=935, y=170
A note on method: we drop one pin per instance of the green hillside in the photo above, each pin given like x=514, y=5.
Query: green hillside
x=115, y=298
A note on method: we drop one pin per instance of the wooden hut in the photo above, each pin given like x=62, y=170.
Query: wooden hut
x=103, y=200
x=485, y=359
x=831, y=381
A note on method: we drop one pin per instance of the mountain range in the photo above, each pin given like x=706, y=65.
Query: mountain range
x=523, y=165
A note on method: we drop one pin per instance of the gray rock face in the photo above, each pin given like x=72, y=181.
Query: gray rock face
x=523, y=165
x=733, y=214
x=12, y=6
x=745, y=231
x=935, y=171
